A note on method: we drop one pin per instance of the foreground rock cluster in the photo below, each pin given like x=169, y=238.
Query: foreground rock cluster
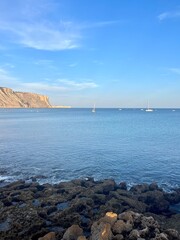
x=88, y=209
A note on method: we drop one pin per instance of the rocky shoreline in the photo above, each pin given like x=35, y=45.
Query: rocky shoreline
x=88, y=209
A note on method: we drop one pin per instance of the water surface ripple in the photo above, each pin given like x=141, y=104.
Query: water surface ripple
x=129, y=145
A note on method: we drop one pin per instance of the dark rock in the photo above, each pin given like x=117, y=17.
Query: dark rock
x=153, y=186
x=123, y=185
x=34, y=210
x=140, y=188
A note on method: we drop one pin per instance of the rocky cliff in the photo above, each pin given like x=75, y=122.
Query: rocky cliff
x=11, y=99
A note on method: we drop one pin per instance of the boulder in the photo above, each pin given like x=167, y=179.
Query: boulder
x=120, y=226
x=48, y=236
x=73, y=232
x=101, y=231
x=110, y=218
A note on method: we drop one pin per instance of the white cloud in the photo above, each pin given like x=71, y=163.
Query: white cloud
x=168, y=15
x=5, y=76
x=58, y=85
x=43, y=62
x=7, y=80
x=51, y=36
x=41, y=86
x=44, y=35
x=31, y=23
x=175, y=70
x=73, y=65
x=72, y=85
x=98, y=24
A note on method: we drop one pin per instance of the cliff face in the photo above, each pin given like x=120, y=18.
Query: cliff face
x=11, y=99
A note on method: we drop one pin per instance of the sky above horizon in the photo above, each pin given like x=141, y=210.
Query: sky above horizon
x=112, y=53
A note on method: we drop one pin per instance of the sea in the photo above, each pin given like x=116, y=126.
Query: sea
x=56, y=145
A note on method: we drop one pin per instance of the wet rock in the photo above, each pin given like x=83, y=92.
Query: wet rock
x=161, y=236
x=36, y=210
x=144, y=232
x=140, y=188
x=118, y=237
x=105, y=187
x=134, y=235
x=156, y=201
x=120, y=226
x=5, y=225
x=149, y=222
x=153, y=186
x=48, y=236
x=73, y=232
x=126, y=216
x=123, y=185
x=133, y=203
x=172, y=234
x=99, y=198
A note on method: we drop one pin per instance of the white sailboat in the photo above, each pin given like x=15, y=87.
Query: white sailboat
x=149, y=109
x=94, y=109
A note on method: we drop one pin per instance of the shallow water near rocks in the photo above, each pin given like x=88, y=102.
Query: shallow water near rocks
x=62, y=206
x=62, y=144
x=175, y=208
x=5, y=226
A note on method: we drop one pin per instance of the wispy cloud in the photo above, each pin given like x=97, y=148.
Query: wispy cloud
x=44, y=36
x=169, y=15
x=50, y=85
x=7, y=80
x=31, y=24
x=174, y=70
x=43, y=62
x=60, y=85
x=72, y=85
x=98, y=24
x=50, y=36
x=41, y=86
x=5, y=76
x=73, y=64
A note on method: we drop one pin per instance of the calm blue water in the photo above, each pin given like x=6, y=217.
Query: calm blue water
x=63, y=144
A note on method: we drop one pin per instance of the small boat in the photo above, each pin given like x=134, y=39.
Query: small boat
x=94, y=109
x=149, y=109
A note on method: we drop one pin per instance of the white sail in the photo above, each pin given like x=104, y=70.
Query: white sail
x=94, y=109
x=149, y=109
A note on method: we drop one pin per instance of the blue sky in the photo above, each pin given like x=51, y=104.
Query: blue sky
x=118, y=53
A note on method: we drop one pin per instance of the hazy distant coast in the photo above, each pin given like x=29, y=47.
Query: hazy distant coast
x=12, y=99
